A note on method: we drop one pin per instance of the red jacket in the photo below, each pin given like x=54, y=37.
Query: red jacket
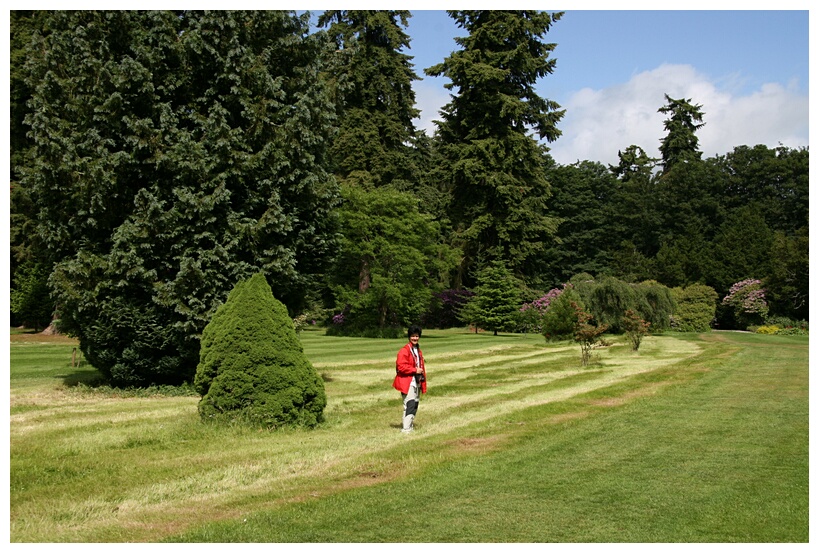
x=405, y=370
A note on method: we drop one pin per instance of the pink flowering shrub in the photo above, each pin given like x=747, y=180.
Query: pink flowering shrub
x=747, y=298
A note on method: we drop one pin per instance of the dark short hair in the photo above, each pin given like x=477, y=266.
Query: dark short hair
x=414, y=329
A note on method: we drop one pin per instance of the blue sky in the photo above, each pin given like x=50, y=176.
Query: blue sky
x=748, y=69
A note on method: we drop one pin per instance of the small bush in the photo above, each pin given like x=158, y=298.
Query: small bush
x=696, y=307
x=792, y=331
x=444, y=308
x=560, y=319
x=586, y=334
x=635, y=328
x=786, y=322
x=767, y=329
x=252, y=367
x=747, y=299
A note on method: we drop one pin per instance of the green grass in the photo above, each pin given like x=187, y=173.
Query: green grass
x=696, y=438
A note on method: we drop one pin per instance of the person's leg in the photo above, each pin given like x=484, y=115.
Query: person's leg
x=410, y=407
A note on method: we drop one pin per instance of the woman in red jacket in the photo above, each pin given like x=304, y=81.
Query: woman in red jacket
x=410, y=376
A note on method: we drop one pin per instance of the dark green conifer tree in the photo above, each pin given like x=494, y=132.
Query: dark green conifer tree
x=252, y=366
x=582, y=200
x=681, y=143
x=174, y=154
x=635, y=215
x=371, y=81
x=493, y=168
x=497, y=300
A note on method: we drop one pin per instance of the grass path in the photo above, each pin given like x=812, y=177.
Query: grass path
x=90, y=467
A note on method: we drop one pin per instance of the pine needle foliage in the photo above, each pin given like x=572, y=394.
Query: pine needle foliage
x=172, y=155
x=491, y=163
x=252, y=366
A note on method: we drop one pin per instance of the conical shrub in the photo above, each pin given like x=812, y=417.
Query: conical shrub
x=252, y=366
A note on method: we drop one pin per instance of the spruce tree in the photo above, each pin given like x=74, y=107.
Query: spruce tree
x=371, y=81
x=174, y=154
x=497, y=300
x=681, y=143
x=252, y=366
x=493, y=168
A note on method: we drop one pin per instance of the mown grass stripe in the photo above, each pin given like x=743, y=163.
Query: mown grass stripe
x=68, y=485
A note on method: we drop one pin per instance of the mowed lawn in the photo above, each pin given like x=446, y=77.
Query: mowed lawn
x=695, y=438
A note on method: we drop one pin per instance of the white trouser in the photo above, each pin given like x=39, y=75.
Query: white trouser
x=410, y=405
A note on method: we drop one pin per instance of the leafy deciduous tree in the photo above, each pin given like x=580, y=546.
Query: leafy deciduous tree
x=586, y=334
x=635, y=328
x=389, y=263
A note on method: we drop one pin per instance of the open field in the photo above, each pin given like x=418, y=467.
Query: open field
x=696, y=438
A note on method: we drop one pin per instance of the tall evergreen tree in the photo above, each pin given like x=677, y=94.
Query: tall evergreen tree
x=634, y=202
x=28, y=272
x=496, y=303
x=372, y=85
x=175, y=154
x=681, y=143
x=494, y=169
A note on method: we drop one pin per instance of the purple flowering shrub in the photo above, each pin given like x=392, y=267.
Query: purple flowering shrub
x=533, y=313
x=747, y=298
x=553, y=314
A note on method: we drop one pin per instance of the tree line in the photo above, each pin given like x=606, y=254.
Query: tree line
x=160, y=157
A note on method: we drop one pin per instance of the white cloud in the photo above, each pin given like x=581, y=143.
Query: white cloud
x=598, y=123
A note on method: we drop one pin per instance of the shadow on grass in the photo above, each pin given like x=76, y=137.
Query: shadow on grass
x=94, y=381
x=89, y=377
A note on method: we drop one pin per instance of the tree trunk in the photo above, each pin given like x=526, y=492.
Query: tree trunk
x=364, y=276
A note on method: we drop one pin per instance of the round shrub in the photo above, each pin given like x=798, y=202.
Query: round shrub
x=695, y=309
x=560, y=319
x=252, y=366
x=747, y=299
